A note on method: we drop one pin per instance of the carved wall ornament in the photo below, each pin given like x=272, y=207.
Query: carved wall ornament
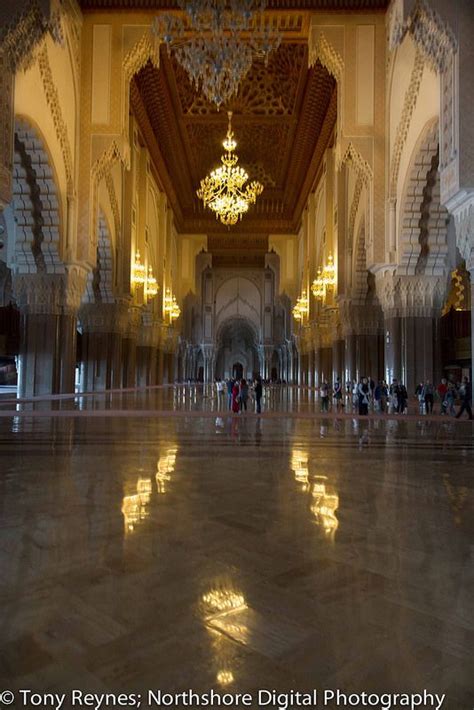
x=464, y=221
x=353, y=210
x=360, y=165
x=423, y=241
x=19, y=39
x=417, y=296
x=100, y=169
x=145, y=50
x=109, y=183
x=52, y=294
x=328, y=56
x=36, y=205
x=409, y=105
x=6, y=132
x=434, y=36
x=60, y=127
x=100, y=282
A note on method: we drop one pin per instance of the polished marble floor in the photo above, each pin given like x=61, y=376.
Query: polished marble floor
x=202, y=550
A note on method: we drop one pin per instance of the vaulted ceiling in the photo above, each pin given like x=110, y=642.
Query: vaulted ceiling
x=283, y=120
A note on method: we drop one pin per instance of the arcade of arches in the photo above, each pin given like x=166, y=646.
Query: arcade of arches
x=361, y=131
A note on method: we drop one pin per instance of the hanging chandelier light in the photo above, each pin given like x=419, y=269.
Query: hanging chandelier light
x=223, y=190
x=318, y=288
x=151, y=287
x=138, y=271
x=301, y=308
x=217, y=41
x=329, y=272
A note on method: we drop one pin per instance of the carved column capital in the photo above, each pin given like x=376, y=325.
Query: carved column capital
x=415, y=296
x=58, y=294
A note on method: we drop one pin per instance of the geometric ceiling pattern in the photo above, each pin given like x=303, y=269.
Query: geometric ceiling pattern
x=283, y=119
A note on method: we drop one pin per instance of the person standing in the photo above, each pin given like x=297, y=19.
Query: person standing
x=364, y=396
x=338, y=395
x=449, y=400
x=442, y=389
x=258, y=389
x=402, y=398
x=230, y=387
x=466, y=397
x=324, y=397
x=428, y=396
x=235, y=397
x=243, y=395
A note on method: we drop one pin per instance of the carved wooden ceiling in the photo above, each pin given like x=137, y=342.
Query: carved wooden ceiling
x=284, y=116
x=348, y=5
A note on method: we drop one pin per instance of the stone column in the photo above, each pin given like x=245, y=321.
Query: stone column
x=412, y=305
x=147, y=350
x=48, y=305
x=338, y=360
x=160, y=366
x=350, y=349
x=103, y=328
x=311, y=368
x=129, y=347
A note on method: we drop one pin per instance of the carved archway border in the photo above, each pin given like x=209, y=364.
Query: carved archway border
x=437, y=43
x=409, y=105
x=147, y=49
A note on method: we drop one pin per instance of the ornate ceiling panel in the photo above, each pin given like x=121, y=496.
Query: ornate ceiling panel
x=350, y=5
x=283, y=119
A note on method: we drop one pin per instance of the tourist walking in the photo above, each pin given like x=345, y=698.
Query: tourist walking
x=465, y=392
x=402, y=398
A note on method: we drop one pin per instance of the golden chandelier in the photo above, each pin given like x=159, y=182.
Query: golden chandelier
x=223, y=190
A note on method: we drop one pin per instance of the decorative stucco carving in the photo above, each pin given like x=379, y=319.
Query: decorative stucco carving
x=434, y=36
x=423, y=245
x=353, y=211
x=320, y=49
x=60, y=127
x=109, y=183
x=36, y=205
x=57, y=294
x=146, y=49
x=19, y=38
x=409, y=104
x=417, y=296
x=464, y=221
x=360, y=165
x=6, y=132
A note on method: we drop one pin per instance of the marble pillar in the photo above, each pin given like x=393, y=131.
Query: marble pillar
x=412, y=350
x=350, y=350
x=146, y=365
x=101, y=361
x=338, y=348
x=311, y=368
x=38, y=367
x=160, y=366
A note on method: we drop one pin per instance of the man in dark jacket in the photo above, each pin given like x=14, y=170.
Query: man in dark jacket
x=466, y=398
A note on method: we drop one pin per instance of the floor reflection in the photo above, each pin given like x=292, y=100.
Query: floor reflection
x=208, y=551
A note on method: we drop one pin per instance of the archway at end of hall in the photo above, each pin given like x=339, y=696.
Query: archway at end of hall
x=237, y=349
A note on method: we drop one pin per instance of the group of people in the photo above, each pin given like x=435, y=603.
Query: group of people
x=384, y=398
x=240, y=392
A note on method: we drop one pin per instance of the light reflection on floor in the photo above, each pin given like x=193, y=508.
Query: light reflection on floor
x=236, y=553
